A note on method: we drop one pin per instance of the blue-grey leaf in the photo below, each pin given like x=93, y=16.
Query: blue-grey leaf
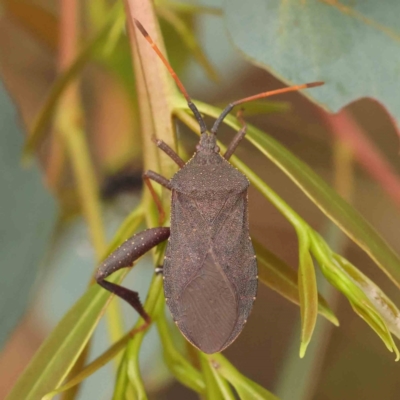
x=354, y=46
x=27, y=214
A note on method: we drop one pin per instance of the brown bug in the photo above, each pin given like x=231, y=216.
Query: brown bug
x=210, y=268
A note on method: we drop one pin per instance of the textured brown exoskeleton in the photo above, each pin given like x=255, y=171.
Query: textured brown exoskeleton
x=210, y=268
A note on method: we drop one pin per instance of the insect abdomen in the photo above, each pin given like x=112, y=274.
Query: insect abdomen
x=208, y=307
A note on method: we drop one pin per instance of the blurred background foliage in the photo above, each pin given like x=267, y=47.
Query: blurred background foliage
x=356, y=152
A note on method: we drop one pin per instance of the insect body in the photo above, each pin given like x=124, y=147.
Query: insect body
x=210, y=268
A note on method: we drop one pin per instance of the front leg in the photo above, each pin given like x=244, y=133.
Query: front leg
x=125, y=256
x=153, y=176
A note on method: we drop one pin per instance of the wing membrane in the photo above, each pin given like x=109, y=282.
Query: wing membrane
x=213, y=307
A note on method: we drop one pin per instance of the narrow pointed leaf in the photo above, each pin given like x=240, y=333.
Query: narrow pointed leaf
x=154, y=297
x=246, y=388
x=265, y=107
x=179, y=366
x=212, y=388
x=58, y=353
x=222, y=383
x=277, y=275
x=308, y=293
x=183, y=7
x=386, y=308
x=94, y=366
x=334, y=272
x=122, y=382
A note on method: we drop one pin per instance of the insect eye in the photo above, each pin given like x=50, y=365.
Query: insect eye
x=216, y=149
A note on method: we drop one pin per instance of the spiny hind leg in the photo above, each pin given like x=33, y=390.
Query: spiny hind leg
x=124, y=257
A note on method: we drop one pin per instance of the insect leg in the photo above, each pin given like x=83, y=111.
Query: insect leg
x=167, y=150
x=159, y=270
x=238, y=137
x=125, y=256
x=148, y=177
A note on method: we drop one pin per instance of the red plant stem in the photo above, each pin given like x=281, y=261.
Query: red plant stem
x=344, y=127
x=68, y=39
x=68, y=33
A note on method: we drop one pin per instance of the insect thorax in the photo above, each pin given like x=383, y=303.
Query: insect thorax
x=209, y=173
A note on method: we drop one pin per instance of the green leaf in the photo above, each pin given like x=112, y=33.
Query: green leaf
x=245, y=387
x=179, y=366
x=308, y=292
x=94, y=366
x=122, y=382
x=223, y=385
x=186, y=8
x=386, y=308
x=340, y=43
x=265, y=107
x=332, y=268
x=277, y=275
x=133, y=348
x=212, y=391
x=59, y=352
x=28, y=218
x=338, y=210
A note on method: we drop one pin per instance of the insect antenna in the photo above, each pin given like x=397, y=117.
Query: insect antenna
x=194, y=109
x=230, y=106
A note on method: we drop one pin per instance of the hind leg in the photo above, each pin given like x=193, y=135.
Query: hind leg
x=124, y=257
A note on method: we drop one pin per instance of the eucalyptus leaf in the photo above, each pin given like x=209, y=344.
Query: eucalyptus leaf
x=387, y=309
x=179, y=365
x=277, y=275
x=59, y=352
x=308, y=292
x=245, y=387
x=27, y=220
x=335, y=270
x=222, y=383
x=61, y=349
x=212, y=387
x=353, y=46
